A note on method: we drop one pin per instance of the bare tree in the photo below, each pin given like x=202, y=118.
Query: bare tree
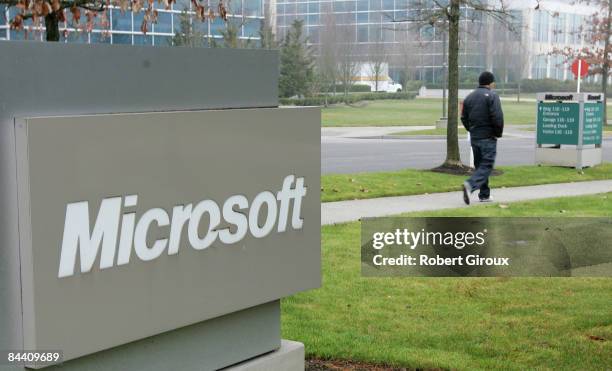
x=509, y=52
x=348, y=62
x=522, y=62
x=406, y=54
x=327, y=72
x=448, y=15
x=502, y=54
x=377, y=58
x=50, y=13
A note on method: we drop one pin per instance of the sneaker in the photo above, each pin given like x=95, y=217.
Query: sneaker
x=488, y=199
x=466, y=192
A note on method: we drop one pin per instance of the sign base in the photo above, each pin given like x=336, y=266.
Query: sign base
x=568, y=156
x=289, y=357
x=206, y=346
x=442, y=123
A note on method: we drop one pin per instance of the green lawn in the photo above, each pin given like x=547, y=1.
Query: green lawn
x=337, y=187
x=464, y=324
x=411, y=113
x=462, y=131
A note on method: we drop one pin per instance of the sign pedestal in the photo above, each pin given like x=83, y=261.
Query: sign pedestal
x=568, y=157
x=150, y=223
x=569, y=129
x=290, y=356
x=442, y=123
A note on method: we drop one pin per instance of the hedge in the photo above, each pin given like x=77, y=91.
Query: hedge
x=429, y=85
x=532, y=86
x=413, y=85
x=355, y=88
x=335, y=99
x=547, y=85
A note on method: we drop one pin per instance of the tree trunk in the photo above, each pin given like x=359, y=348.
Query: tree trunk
x=604, y=88
x=52, y=26
x=453, y=158
x=606, y=65
x=376, y=82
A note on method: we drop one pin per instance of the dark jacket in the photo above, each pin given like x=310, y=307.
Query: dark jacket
x=482, y=114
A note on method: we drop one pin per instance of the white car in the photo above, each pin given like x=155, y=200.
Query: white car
x=385, y=86
x=393, y=87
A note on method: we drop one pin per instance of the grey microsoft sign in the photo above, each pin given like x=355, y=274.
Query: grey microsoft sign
x=135, y=224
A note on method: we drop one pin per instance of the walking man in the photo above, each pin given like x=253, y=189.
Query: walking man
x=482, y=116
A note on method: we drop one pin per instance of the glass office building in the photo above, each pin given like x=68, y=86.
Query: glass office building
x=124, y=27
x=484, y=43
x=558, y=28
x=374, y=21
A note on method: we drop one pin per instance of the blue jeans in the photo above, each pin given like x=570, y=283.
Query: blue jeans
x=485, y=151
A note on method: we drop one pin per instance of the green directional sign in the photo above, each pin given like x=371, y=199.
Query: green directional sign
x=558, y=123
x=593, y=123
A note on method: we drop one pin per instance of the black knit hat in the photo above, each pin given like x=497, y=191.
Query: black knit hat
x=486, y=78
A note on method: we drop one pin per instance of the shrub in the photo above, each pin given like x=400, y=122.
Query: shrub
x=533, y=86
x=413, y=85
x=430, y=85
x=355, y=88
x=350, y=99
x=552, y=85
x=544, y=85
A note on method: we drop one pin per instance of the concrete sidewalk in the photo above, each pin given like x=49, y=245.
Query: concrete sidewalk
x=387, y=132
x=347, y=211
x=368, y=131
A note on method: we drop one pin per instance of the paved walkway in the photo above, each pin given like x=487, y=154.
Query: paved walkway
x=346, y=211
x=386, y=132
x=368, y=131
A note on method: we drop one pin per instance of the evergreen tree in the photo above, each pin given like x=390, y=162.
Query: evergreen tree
x=266, y=35
x=231, y=37
x=297, y=63
x=187, y=35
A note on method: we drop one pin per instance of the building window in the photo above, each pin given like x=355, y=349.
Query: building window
x=124, y=27
x=541, y=26
x=559, y=29
x=252, y=8
x=313, y=19
x=362, y=34
x=539, y=67
x=375, y=33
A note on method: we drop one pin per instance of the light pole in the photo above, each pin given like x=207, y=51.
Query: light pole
x=445, y=72
x=442, y=123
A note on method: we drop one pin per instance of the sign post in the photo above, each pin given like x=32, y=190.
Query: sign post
x=569, y=129
x=580, y=68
